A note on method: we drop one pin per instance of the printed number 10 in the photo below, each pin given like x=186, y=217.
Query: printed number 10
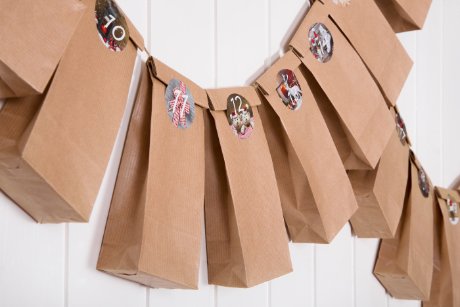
x=112, y=19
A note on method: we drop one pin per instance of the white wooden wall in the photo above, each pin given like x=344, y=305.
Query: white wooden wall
x=222, y=43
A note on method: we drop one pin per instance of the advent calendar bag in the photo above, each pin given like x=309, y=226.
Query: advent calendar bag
x=34, y=36
x=405, y=263
x=376, y=43
x=380, y=193
x=360, y=109
x=445, y=287
x=54, y=167
x=316, y=195
x=154, y=227
x=246, y=238
x=405, y=15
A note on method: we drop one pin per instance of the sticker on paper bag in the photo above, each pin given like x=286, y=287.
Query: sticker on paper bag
x=289, y=89
x=342, y=3
x=423, y=182
x=111, y=25
x=240, y=116
x=452, y=206
x=179, y=104
x=321, y=43
x=401, y=129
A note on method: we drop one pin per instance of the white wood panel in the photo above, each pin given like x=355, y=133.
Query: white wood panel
x=428, y=95
x=334, y=271
x=450, y=93
x=297, y=288
x=241, y=42
x=257, y=296
x=368, y=290
x=32, y=257
x=182, y=37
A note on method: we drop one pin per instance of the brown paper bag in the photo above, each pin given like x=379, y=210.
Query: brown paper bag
x=445, y=284
x=361, y=108
x=405, y=15
x=316, y=195
x=52, y=161
x=380, y=193
x=245, y=234
x=34, y=38
x=375, y=41
x=154, y=227
x=405, y=263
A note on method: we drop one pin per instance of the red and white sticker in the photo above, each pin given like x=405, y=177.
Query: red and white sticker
x=111, y=25
x=240, y=116
x=342, y=3
x=452, y=207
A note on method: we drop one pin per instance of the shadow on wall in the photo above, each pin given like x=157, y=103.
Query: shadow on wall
x=284, y=45
x=455, y=184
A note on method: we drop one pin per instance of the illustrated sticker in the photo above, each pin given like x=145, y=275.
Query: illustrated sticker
x=321, y=43
x=289, y=89
x=240, y=116
x=423, y=182
x=342, y=3
x=179, y=104
x=111, y=25
x=452, y=206
x=401, y=129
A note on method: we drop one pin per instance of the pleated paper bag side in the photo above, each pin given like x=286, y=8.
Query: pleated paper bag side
x=349, y=86
x=254, y=195
x=170, y=205
x=175, y=197
x=72, y=139
x=446, y=292
x=121, y=244
x=404, y=15
x=47, y=25
x=325, y=200
x=376, y=43
x=405, y=263
x=380, y=193
x=441, y=283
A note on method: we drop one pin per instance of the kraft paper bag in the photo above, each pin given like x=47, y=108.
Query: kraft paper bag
x=361, y=109
x=446, y=268
x=34, y=36
x=405, y=263
x=246, y=237
x=316, y=195
x=405, y=15
x=376, y=43
x=53, y=159
x=154, y=227
x=380, y=193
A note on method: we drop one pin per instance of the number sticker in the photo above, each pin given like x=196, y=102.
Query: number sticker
x=452, y=207
x=289, y=89
x=321, y=43
x=423, y=183
x=111, y=25
x=179, y=104
x=240, y=116
x=401, y=129
x=342, y=3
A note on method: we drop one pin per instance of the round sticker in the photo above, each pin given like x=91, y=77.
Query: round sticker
x=289, y=89
x=179, y=104
x=452, y=206
x=111, y=25
x=423, y=182
x=321, y=43
x=401, y=129
x=240, y=116
x=342, y=3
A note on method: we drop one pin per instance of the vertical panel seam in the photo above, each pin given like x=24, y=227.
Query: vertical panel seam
x=149, y=25
x=441, y=94
x=314, y=276
x=353, y=270
x=215, y=45
x=66, y=265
